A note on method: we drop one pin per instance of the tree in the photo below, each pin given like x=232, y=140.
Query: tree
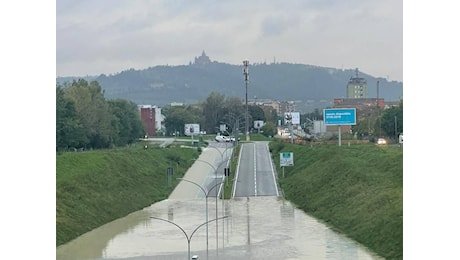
x=177, y=116
x=270, y=114
x=69, y=131
x=217, y=109
x=256, y=113
x=269, y=129
x=361, y=128
x=213, y=111
x=93, y=112
x=127, y=123
x=392, y=118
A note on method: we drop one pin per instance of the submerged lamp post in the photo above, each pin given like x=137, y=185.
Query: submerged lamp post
x=217, y=225
x=206, y=194
x=189, y=238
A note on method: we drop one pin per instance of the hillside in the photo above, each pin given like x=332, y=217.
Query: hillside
x=309, y=85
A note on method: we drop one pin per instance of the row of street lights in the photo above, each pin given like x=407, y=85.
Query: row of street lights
x=217, y=192
x=217, y=223
x=206, y=192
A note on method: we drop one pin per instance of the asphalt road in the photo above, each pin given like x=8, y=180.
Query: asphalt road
x=255, y=174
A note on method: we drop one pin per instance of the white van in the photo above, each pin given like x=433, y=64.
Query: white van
x=400, y=139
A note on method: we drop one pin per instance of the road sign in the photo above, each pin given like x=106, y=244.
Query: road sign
x=169, y=172
x=192, y=129
x=292, y=117
x=286, y=159
x=340, y=116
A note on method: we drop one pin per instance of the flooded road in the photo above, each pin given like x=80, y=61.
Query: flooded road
x=256, y=228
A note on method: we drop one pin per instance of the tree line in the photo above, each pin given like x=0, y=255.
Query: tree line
x=86, y=120
x=219, y=110
x=376, y=122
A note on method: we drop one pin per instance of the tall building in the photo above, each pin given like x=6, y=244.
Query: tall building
x=287, y=106
x=357, y=87
x=148, y=118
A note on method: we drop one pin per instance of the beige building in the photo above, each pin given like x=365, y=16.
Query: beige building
x=357, y=87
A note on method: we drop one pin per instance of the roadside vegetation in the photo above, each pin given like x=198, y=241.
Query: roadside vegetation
x=96, y=187
x=356, y=190
x=86, y=120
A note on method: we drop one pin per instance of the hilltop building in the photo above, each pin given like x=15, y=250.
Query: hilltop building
x=357, y=87
x=202, y=60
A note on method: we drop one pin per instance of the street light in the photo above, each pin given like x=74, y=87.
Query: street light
x=246, y=74
x=235, y=121
x=185, y=233
x=217, y=223
x=223, y=178
x=221, y=153
x=206, y=194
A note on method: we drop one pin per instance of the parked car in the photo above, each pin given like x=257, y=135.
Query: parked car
x=222, y=138
x=381, y=141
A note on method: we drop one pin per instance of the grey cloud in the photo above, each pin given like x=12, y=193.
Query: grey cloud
x=272, y=26
x=99, y=35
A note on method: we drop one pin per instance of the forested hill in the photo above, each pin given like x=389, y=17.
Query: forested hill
x=161, y=85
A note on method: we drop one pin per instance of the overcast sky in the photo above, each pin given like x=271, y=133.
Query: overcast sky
x=107, y=36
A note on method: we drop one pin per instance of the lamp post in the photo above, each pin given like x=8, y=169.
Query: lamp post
x=246, y=74
x=221, y=153
x=235, y=120
x=206, y=194
x=217, y=225
x=223, y=192
x=185, y=233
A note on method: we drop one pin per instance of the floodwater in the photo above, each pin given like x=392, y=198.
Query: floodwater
x=254, y=228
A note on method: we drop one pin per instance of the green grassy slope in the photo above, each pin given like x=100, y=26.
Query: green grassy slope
x=96, y=187
x=356, y=190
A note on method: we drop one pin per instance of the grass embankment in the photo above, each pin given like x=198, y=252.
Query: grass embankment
x=356, y=190
x=96, y=187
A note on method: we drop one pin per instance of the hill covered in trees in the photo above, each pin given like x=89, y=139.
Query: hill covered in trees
x=190, y=84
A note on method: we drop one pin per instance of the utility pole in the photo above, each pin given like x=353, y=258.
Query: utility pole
x=246, y=74
x=396, y=128
x=378, y=109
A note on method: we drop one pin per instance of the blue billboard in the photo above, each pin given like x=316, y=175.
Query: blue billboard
x=340, y=116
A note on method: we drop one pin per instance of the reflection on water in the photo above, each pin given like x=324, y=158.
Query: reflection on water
x=256, y=228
